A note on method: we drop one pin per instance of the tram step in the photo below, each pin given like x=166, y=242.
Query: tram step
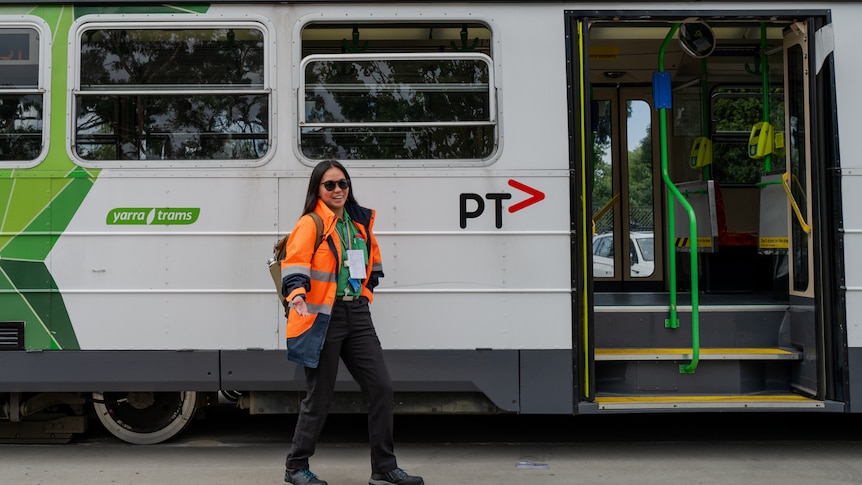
x=719, y=371
x=781, y=401
x=636, y=324
x=619, y=354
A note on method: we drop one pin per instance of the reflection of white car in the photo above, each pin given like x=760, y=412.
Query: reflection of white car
x=641, y=254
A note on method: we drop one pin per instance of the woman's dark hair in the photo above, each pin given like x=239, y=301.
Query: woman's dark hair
x=315, y=180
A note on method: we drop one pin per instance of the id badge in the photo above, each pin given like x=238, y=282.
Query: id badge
x=356, y=263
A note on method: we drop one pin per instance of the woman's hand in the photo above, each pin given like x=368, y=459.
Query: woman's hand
x=298, y=304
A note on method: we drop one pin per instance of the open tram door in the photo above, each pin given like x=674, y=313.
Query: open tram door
x=809, y=155
x=747, y=346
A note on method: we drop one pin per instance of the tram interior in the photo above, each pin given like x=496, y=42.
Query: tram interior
x=716, y=99
x=688, y=124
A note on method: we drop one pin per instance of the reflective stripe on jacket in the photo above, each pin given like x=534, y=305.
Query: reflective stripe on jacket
x=316, y=277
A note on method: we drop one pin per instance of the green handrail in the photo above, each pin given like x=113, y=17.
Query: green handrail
x=673, y=192
x=764, y=79
x=704, y=111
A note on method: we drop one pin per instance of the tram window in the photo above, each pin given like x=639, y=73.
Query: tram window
x=603, y=183
x=797, y=138
x=732, y=164
x=183, y=94
x=735, y=110
x=21, y=95
x=421, y=96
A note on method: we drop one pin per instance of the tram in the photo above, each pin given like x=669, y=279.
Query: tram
x=583, y=207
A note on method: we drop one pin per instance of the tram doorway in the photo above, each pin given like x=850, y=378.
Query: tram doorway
x=627, y=238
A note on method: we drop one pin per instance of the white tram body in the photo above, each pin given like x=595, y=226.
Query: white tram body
x=134, y=231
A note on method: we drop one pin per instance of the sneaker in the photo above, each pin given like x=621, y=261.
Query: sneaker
x=395, y=477
x=302, y=476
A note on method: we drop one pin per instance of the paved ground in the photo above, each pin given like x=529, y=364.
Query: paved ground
x=643, y=463
x=643, y=451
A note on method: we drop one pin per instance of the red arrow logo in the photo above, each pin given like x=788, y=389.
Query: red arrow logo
x=535, y=196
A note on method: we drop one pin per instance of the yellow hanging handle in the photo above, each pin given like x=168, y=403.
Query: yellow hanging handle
x=786, y=184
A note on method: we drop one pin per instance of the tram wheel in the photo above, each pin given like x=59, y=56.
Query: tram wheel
x=145, y=418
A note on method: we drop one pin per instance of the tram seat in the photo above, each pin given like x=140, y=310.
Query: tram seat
x=745, y=233
x=735, y=265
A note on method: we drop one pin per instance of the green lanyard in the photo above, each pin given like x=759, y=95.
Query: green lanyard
x=343, y=228
x=345, y=283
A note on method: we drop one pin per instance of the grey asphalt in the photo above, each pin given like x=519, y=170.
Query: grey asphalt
x=214, y=462
x=614, y=451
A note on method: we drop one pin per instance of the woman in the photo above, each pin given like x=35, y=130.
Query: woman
x=329, y=319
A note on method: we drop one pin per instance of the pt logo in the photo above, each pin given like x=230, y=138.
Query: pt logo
x=478, y=203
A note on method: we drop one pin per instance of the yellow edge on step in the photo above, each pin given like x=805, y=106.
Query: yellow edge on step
x=708, y=351
x=689, y=398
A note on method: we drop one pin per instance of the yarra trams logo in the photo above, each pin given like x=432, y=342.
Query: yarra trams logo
x=153, y=216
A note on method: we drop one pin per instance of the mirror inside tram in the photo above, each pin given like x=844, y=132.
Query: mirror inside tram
x=696, y=39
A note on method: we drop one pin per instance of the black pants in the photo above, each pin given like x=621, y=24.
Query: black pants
x=351, y=336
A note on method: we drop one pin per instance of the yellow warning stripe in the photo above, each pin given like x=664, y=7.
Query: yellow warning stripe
x=702, y=242
x=689, y=398
x=709, y=351
x=641, y=354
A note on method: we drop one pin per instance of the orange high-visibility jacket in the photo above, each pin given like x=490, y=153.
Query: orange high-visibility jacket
x=316, y=277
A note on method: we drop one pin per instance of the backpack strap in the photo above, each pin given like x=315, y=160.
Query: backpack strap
x=279, y=253
x=318, y=223
x=279, y=248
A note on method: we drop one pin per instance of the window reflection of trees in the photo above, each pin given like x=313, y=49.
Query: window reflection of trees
x=21, y=106
x=20, y=127
x=735, y=111
x=151, y=94
x=408, y=93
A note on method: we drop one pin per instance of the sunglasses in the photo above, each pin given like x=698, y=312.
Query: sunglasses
x=329, y=185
